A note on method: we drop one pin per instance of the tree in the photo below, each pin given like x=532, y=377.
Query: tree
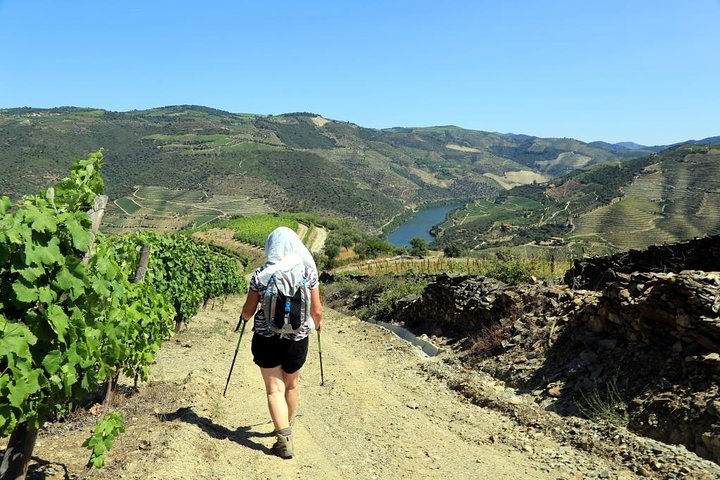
x=418, y=247
x=452, y=250
x=332, y=251
x=347, y=242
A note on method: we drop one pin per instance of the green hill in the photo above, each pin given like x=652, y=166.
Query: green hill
x=298, y=161
x=665, y=197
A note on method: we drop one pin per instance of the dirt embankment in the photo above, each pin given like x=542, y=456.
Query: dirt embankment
x=316, y=239
x=385, y=412
x=642, y=353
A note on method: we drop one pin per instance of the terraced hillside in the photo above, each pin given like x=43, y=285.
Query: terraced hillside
x=674, y=199
x=666, y=197
x=290, y=162
x=168, y=210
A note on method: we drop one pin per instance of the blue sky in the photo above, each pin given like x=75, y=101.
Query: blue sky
x=630, y=70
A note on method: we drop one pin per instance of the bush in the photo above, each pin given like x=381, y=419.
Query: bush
x=373, y=297
x=371, y=247
x=418, y=247
x=384, y=292
x=453, y=250
x=510, y=270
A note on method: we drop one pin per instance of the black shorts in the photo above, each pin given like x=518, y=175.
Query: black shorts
x=270, y=352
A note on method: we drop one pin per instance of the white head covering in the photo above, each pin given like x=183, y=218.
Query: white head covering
x=284, y=250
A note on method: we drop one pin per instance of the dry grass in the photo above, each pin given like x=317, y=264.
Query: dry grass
x=460, y=148
x=490, y=340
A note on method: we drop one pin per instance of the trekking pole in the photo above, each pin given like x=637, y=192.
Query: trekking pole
x=244, y=322
x=322, y=376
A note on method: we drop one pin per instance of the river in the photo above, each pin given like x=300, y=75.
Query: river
x=420, y=224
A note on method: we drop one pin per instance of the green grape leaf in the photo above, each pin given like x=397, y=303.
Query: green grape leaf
x=80, y=236
x=7, y=419
x=18, y=232
x=16, y=338
x=5, y=204
x=58, y=320
x=24, y=293
x=41, y=221
x=52, y=362
x=69, y=377
x=69, y=283
x=37, y=255
x=50, y=254
x=31, y=274
x=46, y=295
x=25, y=387
x=32, y=255
x=102, y=287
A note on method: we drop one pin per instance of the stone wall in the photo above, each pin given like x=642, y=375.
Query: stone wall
x=594, y=273
x=670, y=324
x=680, y=308
x=653, y=336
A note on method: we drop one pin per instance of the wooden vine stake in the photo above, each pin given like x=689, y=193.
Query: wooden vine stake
x=96, y=213
x=18, y=453
x=140, y=272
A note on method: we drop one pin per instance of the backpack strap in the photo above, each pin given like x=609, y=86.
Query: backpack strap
x=273, y=302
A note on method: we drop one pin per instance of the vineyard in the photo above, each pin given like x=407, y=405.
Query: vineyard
x=79, y=309
x=255, y=230
x=511, y=268
x=630, y=223
x=163, y=209
x=670, y=201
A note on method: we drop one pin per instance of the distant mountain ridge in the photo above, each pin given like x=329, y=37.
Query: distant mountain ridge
x=653, y=148
x=294, y=161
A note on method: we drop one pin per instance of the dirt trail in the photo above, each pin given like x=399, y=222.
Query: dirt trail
x=316, y=242
x=378, y=417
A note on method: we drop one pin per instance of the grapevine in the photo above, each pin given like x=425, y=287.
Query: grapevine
x=100, y=442
x=187, y=272
x=70, y=318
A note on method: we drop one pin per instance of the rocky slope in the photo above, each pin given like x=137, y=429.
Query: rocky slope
x=642, y=353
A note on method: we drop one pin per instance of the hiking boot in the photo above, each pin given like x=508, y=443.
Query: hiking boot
x=283, y=446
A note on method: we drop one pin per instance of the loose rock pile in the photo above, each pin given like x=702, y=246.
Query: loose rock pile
x=673, y=320
x=594, y=273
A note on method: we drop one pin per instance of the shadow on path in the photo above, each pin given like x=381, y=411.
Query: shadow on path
x=40, y=469
x=242, y=435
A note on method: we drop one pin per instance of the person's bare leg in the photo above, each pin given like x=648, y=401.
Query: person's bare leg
x=274, y=379
x=276, y=396
x=291, y=381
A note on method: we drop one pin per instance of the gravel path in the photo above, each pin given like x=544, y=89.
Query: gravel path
x=380, y=415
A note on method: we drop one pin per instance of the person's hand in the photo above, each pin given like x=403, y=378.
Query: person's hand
x=318, y=323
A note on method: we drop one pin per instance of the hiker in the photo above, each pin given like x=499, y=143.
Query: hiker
x=281, y=355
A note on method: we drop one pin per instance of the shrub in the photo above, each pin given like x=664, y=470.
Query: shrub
x=604, y=403
x=512, y=272
x=453, y=250
x=418, y=247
